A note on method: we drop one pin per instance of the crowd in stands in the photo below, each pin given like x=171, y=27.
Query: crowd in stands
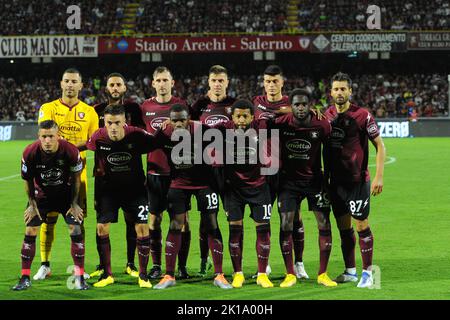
x=321, y=15
x=384, y=95
x=19, y=17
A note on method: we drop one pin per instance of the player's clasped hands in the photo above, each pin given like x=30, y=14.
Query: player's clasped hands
x=30, y=213
x=76, y=212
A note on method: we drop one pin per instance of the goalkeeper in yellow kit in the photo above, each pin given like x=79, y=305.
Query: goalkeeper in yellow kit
x=77, y=121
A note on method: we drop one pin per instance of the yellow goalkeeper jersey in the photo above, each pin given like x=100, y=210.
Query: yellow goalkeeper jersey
x=76, y=124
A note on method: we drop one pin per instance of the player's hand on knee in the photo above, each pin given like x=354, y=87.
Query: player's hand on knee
x=76, y=212
x=30, y=213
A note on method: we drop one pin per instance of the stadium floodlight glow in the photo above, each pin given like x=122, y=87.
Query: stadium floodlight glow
x=373, y=55
x=385, y=55
x=270, y=55
x=156, y=57
x=258, y=56
x=11, y=61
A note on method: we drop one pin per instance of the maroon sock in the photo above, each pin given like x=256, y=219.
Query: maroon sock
x=204, y=247
x=131, y=241
x=366, y=247
x=27, y=254
x=216, y=246
x=77, y=250
x=263, y=246
x=184, y=249
x=156, y=246
x=298, y=238
x=173, y=244
x=286, y=250
x=348, y=242
x=235, y=247
x=143, y=247
x=105, y=248
x=325, y=244
x=99, y=250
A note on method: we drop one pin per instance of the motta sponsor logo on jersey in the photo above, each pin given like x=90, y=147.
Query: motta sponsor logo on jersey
x=52, y=175
x=337, y=133
x=119, y=158
x=69, y=127
x=157, y=122
x=244, y=153
x=215, y=119
x=298, y=145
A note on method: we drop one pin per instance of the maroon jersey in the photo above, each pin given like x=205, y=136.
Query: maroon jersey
x=247, y=174
x=211, y=113
x=348, y=147
x=188, y=175
x=133, y=114
x=265, y=108
x=118, y=163
x=51, y=172
x=154, y=114
x=300, y=147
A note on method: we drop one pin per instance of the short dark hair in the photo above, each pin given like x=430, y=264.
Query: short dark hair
x=243, y=104
x=73, y=70
x=340, y=76
x=216, y=69
x=299, y=92
x=114, y=109
x=161, y=69
x=115, y=74
x=178, y=107
x=48, y=124
x=273, y=70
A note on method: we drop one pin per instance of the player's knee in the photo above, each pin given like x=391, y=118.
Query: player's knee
x=176, y=224
x=74, y=230
x=155, y=221
x=362, y=225
x=31, y=231
x=142, y=230
x=102, y=229
x=344, y=222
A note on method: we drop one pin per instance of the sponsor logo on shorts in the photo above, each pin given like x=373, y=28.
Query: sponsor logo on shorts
x=119, y=158
x=157, y=122
x=215, y=119
x=298, y=145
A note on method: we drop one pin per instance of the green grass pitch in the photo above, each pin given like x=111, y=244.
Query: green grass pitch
x=410, y=222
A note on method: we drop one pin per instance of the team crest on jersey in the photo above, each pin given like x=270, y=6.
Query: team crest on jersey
x=60, y=162
x=346, y=122
x=81, y=115
x=130, y=146
x=314, y=134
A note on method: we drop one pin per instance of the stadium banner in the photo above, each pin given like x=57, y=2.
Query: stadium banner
x=429, y=41
x=203, y=44
x=49, y=46
x=362, y=42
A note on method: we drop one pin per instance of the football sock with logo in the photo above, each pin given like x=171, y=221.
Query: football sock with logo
x=27, y=254
x=366, y=247
x=77, y=250
x=156, y=246
x=173, y=244
x=143, y=247
x=325, y=244
x=263, y=246
x=286, y=250
x=216, y=246
x=235, y=247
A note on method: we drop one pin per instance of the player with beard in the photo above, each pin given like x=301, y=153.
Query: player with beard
x=350, y=187
x=115, y=90
x=213, y=108
x=155, y=111
x=273, y=103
